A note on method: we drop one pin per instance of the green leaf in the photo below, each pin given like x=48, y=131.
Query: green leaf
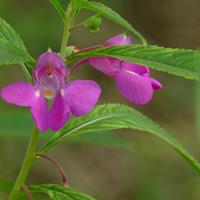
x=59, y=6
x=12, y=49
x=180, y=62
x=57, y=192
x=93, y=23
x=109, y=14
x=101, y=138
x=115, y=116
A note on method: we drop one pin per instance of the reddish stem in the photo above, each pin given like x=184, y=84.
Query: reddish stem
x=76, y=65
x=27, y=192
x=58, y=167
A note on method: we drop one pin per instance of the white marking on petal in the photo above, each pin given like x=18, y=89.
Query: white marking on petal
x=37, y=93
x=62, y=92
x=131, y=72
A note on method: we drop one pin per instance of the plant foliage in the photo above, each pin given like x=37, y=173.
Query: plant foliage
x=180, y=62
x=12, y=49
x=57, y=192
x=116, y=116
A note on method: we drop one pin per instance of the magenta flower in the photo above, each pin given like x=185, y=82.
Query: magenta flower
x=132, y=80
x=49, y=76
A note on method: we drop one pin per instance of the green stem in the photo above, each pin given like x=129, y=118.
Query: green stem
x=68, y=22
x=26, y=166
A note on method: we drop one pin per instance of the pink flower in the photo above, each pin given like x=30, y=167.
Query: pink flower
x=132, y=80
x=49, y=76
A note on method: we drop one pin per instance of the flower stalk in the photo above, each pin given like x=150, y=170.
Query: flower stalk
x=27, y=192
x=57, y=165
x=26, y=165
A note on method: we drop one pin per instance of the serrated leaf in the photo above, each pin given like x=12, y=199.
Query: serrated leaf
x=180, y=62
x=93, y=23
x=58, y=192
x=115, y=116
x=12, y=49
x=58, y=5
x=109, y=14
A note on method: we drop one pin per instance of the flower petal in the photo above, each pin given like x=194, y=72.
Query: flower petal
x=81, y=96
x=50, y=63
x=59, y=113
x=139, y=69
x=156, y=84
x=135, y=88
x=39, y=109
x=20, y=94
x=108, y=66
x=119, y=40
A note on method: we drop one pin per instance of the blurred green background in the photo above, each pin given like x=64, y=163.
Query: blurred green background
x=151, y=170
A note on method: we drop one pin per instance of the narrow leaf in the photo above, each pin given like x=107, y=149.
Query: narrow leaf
x=115, y=116
x=109, y=14
x=12, y=49
x=57, y=192
x=180, y=62
x=102, y=138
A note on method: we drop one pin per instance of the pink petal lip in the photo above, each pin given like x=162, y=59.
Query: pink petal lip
x=39, y=110
x=134, y=87
x=59, y=113
x=156, y=84
x=81, y=96
x=26, y=95
x=20, y=94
